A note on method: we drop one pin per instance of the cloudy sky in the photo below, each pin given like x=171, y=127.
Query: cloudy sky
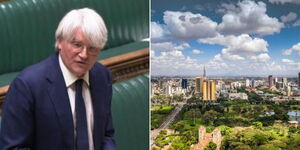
x=228, y=37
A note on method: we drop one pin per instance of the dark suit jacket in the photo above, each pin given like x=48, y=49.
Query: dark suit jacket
x=37, y=112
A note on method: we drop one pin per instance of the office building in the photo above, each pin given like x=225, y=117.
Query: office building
x=284, y=82
x=209, y=90
x=270, y=80
x=299, y=79
x=199, y=84
x=253, y=83
x=247, y=84
x=184, y=83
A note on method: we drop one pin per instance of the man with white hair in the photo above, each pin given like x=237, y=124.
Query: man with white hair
x=64, y=101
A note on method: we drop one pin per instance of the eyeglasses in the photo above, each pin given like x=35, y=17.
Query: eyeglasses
x=79, y=47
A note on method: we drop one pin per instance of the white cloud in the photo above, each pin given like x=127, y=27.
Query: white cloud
x=247, y=67
x=182, y=46
x=296, y=47
x=183, y=26
x=264, y=57
x=238, y=47
x=287, y=52
x=218, y=58
x=157, y=31
x=288, y=61
x=284, y=1
x=187, y=26
x=174, y=63
x=248, y=17
x=168, y=46
x=232, y=56
x=289, y=17
x=292, y=65
x=297, y=23
x=196, y=51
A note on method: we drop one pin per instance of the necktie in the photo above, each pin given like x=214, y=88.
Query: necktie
x=82, y=142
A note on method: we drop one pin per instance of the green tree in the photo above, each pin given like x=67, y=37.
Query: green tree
x=294, y=142
x=292, y=130
x=211, y=146
x=210, y=116
x=179, y=126
x=179, y=146
x=268, y=147
x=257, y=125
x=225, y=130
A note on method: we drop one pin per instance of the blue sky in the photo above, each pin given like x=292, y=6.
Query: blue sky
x=228, y=37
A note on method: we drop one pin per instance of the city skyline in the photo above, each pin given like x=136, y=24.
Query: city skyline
x=230, y=38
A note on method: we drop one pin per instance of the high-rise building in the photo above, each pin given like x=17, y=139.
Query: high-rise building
x=270, y=79
x=168, y=90
x=253, y=83
x=247, y=83
x=275, y=80
x=204, y=91
x=284, y=82
x=209, y=90
x=199, y=85
x=299, y=79
x=288, y=91
x=184, y=83
x=160, y=84
x=213, y=90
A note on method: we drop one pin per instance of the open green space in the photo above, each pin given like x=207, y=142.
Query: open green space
x=159, y=114
x=244, y=125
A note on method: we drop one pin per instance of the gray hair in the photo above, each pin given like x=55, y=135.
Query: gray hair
x=90, y=22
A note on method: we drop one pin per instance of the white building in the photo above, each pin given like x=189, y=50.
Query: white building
x=233, y=96
x=248, y=83
x=168, y=90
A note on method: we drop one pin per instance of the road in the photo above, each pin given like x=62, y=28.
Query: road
x=171, y=117
x=167, y=122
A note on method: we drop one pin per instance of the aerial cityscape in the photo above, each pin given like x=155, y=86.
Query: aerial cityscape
x=203, y=112
x=225, y=75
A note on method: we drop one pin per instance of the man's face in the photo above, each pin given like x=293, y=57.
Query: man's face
x=78, y=55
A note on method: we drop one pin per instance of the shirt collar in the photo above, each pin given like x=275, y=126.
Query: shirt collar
x=69, y=77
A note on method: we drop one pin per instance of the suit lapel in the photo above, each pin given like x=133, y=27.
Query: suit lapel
x=58, y=93
x=98, y=94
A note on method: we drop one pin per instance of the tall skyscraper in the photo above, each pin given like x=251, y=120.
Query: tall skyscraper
x=205, y=88
x=284, y=82
x=184, y=83
x=247, y=83
x=168, y=90
x=204, y=91
x=288, y=91
x=299, y=79
x=213, y=90
x=209, y=90
x=160, y=84
x=253, y=83
x=199, y=85
x=275, y=80
x=270, y=79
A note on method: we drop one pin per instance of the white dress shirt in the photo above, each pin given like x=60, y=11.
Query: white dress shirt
x=70, y=80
